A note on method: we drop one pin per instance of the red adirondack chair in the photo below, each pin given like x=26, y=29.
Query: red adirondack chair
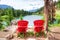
x=38, y=25
x=22, y=26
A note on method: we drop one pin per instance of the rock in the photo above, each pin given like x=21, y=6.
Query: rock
x=14, y=22
x=18, y=39
x=54, y=34
x=3, y=39
x=31, y=39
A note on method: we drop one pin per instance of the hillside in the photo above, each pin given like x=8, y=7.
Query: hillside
x=5, y=6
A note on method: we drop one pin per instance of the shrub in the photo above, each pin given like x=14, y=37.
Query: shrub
x=30, y=34
x=21, y=35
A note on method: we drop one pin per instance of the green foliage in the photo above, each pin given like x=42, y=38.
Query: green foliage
x=58, y=4
x=57, y=17
x=37, y=34
x=30, y=34
x=21, y=17
x=21, y=35
x=41, y=34
x=5, y=18
x=1, y=26
x=18, y=13
x=57, y=21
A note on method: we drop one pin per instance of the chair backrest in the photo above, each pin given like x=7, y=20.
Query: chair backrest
x=23, y=23
x=38, y=22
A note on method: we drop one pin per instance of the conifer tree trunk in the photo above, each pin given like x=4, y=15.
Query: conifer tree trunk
x=46, y=14
x=49, y=12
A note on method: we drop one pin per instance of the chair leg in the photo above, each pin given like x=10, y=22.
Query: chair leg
x=34, y=34
x=17, y=33
x=24, y=34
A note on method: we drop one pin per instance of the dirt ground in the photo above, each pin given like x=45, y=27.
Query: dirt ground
x=54, y=33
